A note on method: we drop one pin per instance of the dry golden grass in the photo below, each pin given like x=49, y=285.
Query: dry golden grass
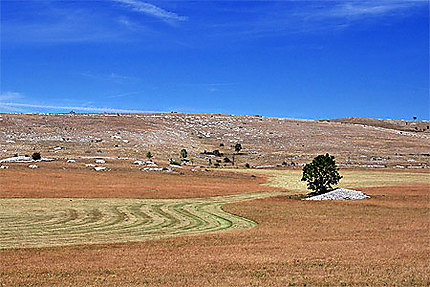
x=379, y=241
x=289, y=179
x=50, y=182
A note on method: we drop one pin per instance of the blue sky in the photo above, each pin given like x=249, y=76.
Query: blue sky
x=295, y=59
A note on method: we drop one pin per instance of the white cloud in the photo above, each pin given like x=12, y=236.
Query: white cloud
x=107, y=77
x=7, y=96
x=152, y=10
x=69, y=108
x=347, y=9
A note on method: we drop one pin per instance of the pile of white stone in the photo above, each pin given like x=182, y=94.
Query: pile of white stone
x=339, y=194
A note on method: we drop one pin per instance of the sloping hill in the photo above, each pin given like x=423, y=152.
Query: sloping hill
x=400, y=125
x=265, y=141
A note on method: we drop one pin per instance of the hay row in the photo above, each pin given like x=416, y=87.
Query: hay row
x=66, y=221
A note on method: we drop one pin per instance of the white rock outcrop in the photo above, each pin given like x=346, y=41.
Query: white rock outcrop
x=339, y=194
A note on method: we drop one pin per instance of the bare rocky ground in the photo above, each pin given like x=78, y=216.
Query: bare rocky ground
x=339, y=194
x=266, y=142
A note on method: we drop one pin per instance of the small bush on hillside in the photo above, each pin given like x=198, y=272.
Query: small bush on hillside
x=36, y=156
x=238, y=147
x=216, y=153
x=149, y=155
x=184, y=153
x=174, y=162
x=321, y=173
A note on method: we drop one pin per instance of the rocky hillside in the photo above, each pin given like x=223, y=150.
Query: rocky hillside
x=265, y=141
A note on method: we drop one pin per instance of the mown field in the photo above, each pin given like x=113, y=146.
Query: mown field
x=45, y=222
x=273, y=240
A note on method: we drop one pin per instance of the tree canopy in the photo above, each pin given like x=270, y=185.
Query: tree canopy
x=321, y=173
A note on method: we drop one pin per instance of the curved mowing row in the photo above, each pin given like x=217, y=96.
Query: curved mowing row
x=62, y=221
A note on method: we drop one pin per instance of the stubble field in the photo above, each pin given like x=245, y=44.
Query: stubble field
x=274, y=239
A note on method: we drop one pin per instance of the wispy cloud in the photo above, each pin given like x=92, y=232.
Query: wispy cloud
x=152, y=10
x=299, y=17
x=107, y=77
x=8, y=96
x=123, y=95
x=359, y=9
x=69, y=108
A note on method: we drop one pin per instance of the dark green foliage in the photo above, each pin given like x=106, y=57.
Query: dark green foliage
x=149, y=155
x=184, y=153
x=174, y=162
x=321, y=173
x=238, y=147
x=36, y=156
x=227, y=160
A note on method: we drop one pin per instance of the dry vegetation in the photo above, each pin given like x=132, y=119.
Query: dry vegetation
x=379, y=241
x=289, y=179
x=266, y=141
x=48, y=182
x=163, y=219
x=65, y=221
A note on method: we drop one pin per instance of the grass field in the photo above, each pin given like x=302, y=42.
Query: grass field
x=66, y=221
x=289, y=179
x=375, y=242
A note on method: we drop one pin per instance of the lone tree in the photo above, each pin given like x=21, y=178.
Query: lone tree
x=36, y=156
x=184, y=153
x=238, y=147
x=149, y=155
x=321, y=173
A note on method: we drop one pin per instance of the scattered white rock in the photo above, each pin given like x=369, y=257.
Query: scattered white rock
x=33, y=166
x=100, y=168
x=90, y=165
x=168, y=169
x=100, y=161
x=4, y=166
x=339, y=194
x=71, y=161
x=152, y=169
x=17, y=159
x=175, y=165
x=139, y=162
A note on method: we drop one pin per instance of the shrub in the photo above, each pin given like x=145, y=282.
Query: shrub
x=149, y=155
x=174, y=162
x=216, y=153
x=227, y=160
x=238, y=147
x=184, y=153
x=321, y=173
x=247, y=165
x=36, y=156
